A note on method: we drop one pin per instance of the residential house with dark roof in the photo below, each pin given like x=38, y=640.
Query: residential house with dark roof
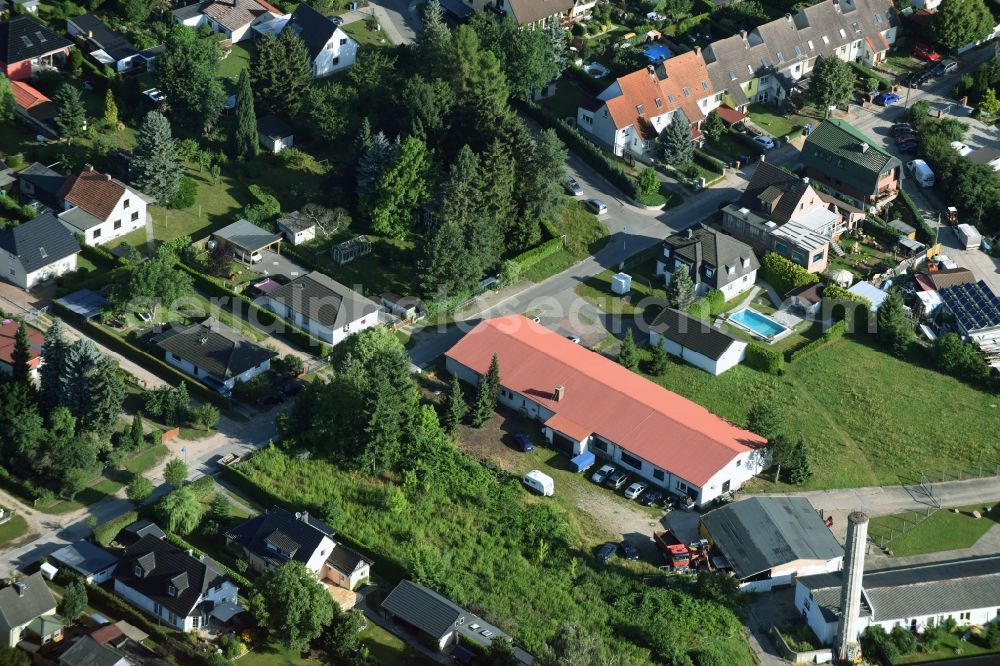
x=713, y=259
x=627, y=116
x=185, y=591
x=696, y=342
x=769, y=62
x=8, y=337
x=40, y=183
x=233, y=18
x=533, y=14
x=586, y=402
x=27, y=46
x=100, y=208
x=276, y=536
x=330, y=48
x=780, y=212
x=215, y=354
x=19, y=7
x=966, y=591
x=92, y=562
x=106, y=46
x=37, y=251
x=851, y=164
x=771, y=541
x=21, y=603
x=139, y=529
x=323, y=307
x=274, y=134
x=85, y=651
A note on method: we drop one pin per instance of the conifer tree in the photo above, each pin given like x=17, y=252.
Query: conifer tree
x=454, y=407
x=628, y=356
x=486, y=395
x=110, y=109
x=154, y=167
x=71, y=116
x=660, y=360
x=21, y=354
x=244, y=133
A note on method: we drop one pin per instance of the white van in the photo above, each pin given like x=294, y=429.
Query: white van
x=254, y=257
x=921, y=173
x=540, y=483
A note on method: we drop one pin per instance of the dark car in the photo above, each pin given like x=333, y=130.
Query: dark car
x=900, y=129
x=906, y=138
x=629, y=551
x=617, y=480
x=945, y=67
x=607, y=551
x=523, y=442
x=275, y=397
x=908, y=147
x=918, y=79
x=650, y=497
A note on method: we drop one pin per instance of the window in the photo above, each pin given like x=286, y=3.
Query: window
x=137, y=571
x=826, y=40
x=781, y=248
x=588, y=120
x=781, y=57
x=687, y=93
x=819, y=256
x=718, y=98
x=682, y=486
x=798, y=257
x=172, y=591
x=750, y=68
x=157, y=608
x=631, y=461
x=336, y=61
x=671, y=99
x=843, y=33
x=965, y=616
x=856, y=26
x=97, y=232
x=659, y=102
x=878, y=17
x=196, y=622
x=704, y=85
x=812, y=47
x=732, y=75
x=764, y=80
x=135, y=216
x=172, y=618
x=118, y=224
x=125, y=204
x=343, y=41
x=798, y=50
x=765, y=63
x=600, y=445
x=658, y=474
x=639, y=109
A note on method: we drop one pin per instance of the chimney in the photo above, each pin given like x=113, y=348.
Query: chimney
x=88, y=167
x=559, y=393
x=850, y=592
x=190, y=552
x=304, y=516
x=805, y=180
x=743, y=35
x=20, y=587
x=650, y=70
x=864, y=147
x=788, y=17
x=697, y=51
x=697, y=263
x=107, y=177
x=690, y=233
x=90, y=34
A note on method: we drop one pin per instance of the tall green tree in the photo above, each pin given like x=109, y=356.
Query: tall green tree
x=957, y=357
x=528, y=57
x=628, y=355
x=434, y=42
x=955, y=23
x=110, y=109
x=243, y=140
x=659, y=360
x=155, y=169
x=52, y=371
x=139, y=489
x=71, y=116
x=12, y=656
x=765, y=418
x=429, y=104
x=175, y=472
x=21, y=425
x=540, y=187
x=145, y=285
x=8, y=103
x=831, y=83
x=188, y=74
x=680, y=291
x=447, y=266
x=894, y=328
x=71, y=459
x=136, y=435
x=181, y=511
x=376, y=156
x=486, y=394
x=341, y=638
x=455, y=408
x=21, y=354
x=478, y=77
x=676, y=146
x=713, y=127
x=291, y=606
x=74, y=601
x=326, y=110
x=497, y=186
x=402, y=189
x=281, y=74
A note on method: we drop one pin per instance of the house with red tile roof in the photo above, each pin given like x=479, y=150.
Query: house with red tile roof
x=33, y=106
x=100, y=208
x=628, y=116
x=586, y=402
x=233, y=18
x=8, y=337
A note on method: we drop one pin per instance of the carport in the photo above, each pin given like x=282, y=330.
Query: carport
x=246, y=238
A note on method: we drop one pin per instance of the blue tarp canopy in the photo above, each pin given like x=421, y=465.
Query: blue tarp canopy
x=582, y=461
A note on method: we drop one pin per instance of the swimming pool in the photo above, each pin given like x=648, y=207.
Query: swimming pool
x=758, y=324
x=655, y=52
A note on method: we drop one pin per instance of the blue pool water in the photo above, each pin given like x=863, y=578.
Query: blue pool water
x=757, y=323
x=656, y=52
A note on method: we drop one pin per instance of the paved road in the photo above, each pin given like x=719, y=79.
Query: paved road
x=399, y=19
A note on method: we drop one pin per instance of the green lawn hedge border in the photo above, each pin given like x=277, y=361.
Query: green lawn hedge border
x=704, y=160
x=529, y=258
x=106, y=532
x=244, y=583
x=864, y=73
x=784, y=274
x=835, y=332
x=765, y=359
x=913, y=217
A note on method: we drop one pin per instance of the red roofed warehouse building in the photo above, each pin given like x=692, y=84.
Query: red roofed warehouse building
x=100, y=208
x=588, y=402
x=629, y=115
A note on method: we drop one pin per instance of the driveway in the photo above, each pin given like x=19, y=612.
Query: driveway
x=276, y=264
x=983, y=266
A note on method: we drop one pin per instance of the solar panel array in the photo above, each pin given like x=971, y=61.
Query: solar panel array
x=974, y=305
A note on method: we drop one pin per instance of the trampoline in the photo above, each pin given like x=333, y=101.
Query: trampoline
x=656, y=52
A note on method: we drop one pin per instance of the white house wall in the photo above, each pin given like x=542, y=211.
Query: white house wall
x=12, y=270
x=144, y=603
x=122, y=214
x=316, y=329
x=339, y=53
x=733, y=356
x=318, y=558
x=189, y=368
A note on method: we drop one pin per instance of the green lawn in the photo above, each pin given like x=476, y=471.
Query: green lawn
x=360, y=32
x=585, y=234
x=387, y=268
x=868, y=418
x=729, y=148
x=568, y=98
x=952, y=646
x=943, y=530
x=769, y=118
x=146, y=459
x=274, y=656
x=14, y=528
x=237, y=60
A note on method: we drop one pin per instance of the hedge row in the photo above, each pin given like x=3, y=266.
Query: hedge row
x=913, y=217
x=699, y=309
x=202, y=486
x=833, y=333
x=878, y=228
x=866, y=73
x=529, y=258
x=99, y=255
x=703, y=159
x=765, y=359
x=106, y=532
x=286, y=330
x=583, y=147
x=242, y=581
x=159, y=367
x=784, y=274
x=835, y=292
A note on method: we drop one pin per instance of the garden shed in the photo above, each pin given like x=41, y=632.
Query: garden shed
x=349, y=250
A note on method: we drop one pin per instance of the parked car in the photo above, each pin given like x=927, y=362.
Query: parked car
x=607, y=551
x=572, y=187
x=575, y=339
x=908, y=147
x=629, y=551
x=765, y=142
x=523, y=442
x=616, y=480
x=886, y=98
x=921, y=173
x=650, y=497
x=918, y=79
x=925, y=52
x=154, y=96
x=945, y=67
x=596, y=206
x=900, y=129
x=601, y=475
x=906, y=138
x=961, y=148
x=536, y=319
x=634, y=490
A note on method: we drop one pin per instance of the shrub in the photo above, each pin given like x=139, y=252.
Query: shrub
x=700, y=309
x=706, y=161
x=529, y=258
x=835, y=332
x=765, y=359
x=784, y=274
x=716, y=301
x=187, y=194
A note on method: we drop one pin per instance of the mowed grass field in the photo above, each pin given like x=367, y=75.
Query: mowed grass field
x=867, y=418
x=942, y=530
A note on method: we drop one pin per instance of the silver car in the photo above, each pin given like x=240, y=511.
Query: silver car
x=572, y=187
x=596, y=206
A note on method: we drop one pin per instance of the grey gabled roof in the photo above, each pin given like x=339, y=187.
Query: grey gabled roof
x=313, y=28
x=692, y=333
x=344, y=559
x=273, y=127
x=84, y=557
x=914, y=591
x=88, y=652
x=423, y=608
x=39, y=242
x=35, y=599
x=100, y=36
x=719, y=251
x=324, y=300
x=764, y=532
x=25, y=37
x=216, y=349
x=80, y=219
x=43, y=178
x=246, y=235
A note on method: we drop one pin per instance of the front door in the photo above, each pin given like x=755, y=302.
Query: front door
x=725, y=486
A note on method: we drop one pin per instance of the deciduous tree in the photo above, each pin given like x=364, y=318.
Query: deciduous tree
x=831, y=83
x=713, y=127
x=155, y=169
x=8, y=103
x=244, y=142
x=188, y=74
x=528, y=58
x=139, y=489
x=180, y=511
x=765, y=419
x=175, y=472
x=955, y=23
x=291, y=606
